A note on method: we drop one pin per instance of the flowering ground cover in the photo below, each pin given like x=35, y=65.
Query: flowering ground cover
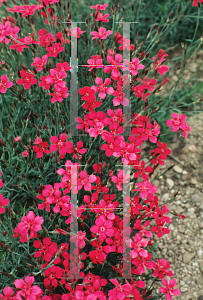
x=78, y=210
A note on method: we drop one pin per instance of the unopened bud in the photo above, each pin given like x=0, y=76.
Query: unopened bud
x=41, y=168
x=155, y=110
x=171, y=13
x=29, y=115
x=89, y=159
x=141, y=54
x=153, y=27
x=147, y=54
x=112, y=9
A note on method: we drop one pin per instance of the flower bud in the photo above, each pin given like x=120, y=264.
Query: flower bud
x=89, y=159
x=141, y=54
x=29, y=115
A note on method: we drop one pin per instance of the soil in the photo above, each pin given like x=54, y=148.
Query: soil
x=183, y=246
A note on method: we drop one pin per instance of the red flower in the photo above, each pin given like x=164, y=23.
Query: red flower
x=29, y=224
x=103, y=227
x=52, y=275
x=40, y=62
x=64, y=147
x=5, y=84
x=27, y=79
x=134, y=65
x=47, y=250
x=42, y=149
x=178, y=122
x=3, y=202
x=54, y=50
x=195, y=2
x=168, y=288
x=102, y=34
x=8, y=291
x=27, y=291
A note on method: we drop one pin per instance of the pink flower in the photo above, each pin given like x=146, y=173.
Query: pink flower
x=195, y=2
x=115, y=64
x=95, y=62
x=25, y=153
x=134, y=65
x=102, y=34
x=64, y=147
x=79, y=240
x=8, y=291
x=99, y=6
x=168, y=289
x=59, y=93
x=160, y=68
x=122, y=178
x=103, y=227
x=54, y=50
x=101, y=17
x=1, y=1
x=27, y=291
x=103, y=89
x=17, y=139
x=77, y=32
x=29, y=225
x=146, y=189
x=3, y=202
x=178, y=122
x=40, y=63
x=27, y=79
x=5, y=84
x=85, y=180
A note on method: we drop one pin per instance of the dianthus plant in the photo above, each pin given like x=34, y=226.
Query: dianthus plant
x=90, y=167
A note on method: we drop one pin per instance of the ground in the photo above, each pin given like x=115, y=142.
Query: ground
x=183, y=247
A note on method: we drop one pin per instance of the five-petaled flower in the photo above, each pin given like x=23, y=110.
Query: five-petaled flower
x=178, y=122
x=3, y=202
x=5, y=84
x=28, y=291
x=29, y=225
x=27, y=79
x=168, y=288
x=102, y=34
x=39, y=62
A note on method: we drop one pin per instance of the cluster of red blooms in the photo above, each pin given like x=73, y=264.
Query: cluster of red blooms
x=107, y=235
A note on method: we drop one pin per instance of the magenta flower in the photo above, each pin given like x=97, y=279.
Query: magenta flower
x=85, y=180
x=8, y=292
x=99, y=6
x=168, y=288
x=27, y=79
x=103, y=227
x=146, y=189
x=138, y=243
x=95, y=62
x=102, y=34
x=27, y=291
x=178, y=122
x=115, y=64
x=40, y=63
x=122, y=178
x=29, y=225
x=77, y=32
x=134, y=65
x=103, y=89
x=54, y=50
x=101, y=17
x=3, y=202
x=5, y=84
